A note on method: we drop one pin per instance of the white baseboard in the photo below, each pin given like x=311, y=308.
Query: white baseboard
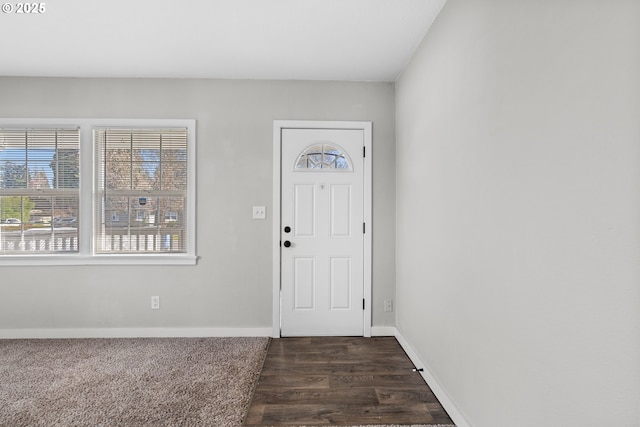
x=448, y=405
x=383, y=331
x=134, y=333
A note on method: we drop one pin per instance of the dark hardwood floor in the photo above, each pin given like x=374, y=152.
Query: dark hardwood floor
x=341, y=381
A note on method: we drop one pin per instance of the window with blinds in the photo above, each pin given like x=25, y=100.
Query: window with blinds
x=141, y=190
x=39, y=190
x=97, y=191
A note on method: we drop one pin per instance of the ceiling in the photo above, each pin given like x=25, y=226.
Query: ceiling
x=352, y=40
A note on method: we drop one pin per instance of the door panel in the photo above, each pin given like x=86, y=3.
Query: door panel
x=304, y=206
x=341, y=284
x=322, y=200
x=341, y=211
x=304, y=283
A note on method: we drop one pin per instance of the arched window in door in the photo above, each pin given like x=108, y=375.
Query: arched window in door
x=323, y=156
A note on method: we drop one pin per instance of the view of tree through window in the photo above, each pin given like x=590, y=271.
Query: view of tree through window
x=39, y=190
x=142, y=190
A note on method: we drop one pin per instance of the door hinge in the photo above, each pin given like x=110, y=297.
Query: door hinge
x=364, y=151
x=363, y=303
x=364, y=227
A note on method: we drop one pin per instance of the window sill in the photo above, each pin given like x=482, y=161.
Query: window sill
x=134, y=259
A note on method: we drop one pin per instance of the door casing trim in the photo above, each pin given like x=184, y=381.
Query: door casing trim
x=366, y=127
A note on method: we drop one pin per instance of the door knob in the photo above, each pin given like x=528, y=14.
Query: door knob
x=287, y=243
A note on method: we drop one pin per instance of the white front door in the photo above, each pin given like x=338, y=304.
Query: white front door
x=321, y=232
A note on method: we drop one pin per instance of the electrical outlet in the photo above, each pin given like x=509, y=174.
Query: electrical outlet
x=259, y=212
x=155, y=303
x=388, y=305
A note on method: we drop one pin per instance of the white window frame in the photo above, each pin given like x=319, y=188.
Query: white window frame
x=86, y=218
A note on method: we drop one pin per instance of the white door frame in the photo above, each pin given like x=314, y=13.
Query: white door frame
x=366, y=127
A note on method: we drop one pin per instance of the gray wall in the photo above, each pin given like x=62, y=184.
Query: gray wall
x=231, y=285
x=518, y=210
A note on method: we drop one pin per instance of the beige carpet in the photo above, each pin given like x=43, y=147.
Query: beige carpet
x=128, y=382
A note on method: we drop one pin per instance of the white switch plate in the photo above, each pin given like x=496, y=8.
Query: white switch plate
x=259, y=212
x=155, y=303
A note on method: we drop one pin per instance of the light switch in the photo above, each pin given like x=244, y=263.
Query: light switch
x=259, y=212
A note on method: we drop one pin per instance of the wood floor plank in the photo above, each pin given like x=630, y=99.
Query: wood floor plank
x=254, y=415
x=268, y=382
x=398, y=395
x=328, y=397
x=345, y=414
x=333, y=359
x=319, y=381
x=438, y=413
x=379, y=380
x=333, y=369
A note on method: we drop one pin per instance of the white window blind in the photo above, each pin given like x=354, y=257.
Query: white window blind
x=39, y=190
x=141, y=190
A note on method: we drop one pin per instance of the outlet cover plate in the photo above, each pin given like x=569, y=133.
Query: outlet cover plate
x=259, y=212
